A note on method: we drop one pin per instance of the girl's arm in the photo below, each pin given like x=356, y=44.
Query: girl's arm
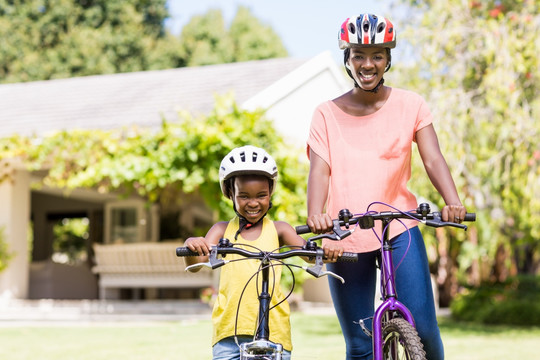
x=439, y=174
x=317, y=193
x=203, y=245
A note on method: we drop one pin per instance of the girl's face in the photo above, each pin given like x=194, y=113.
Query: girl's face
x=252, y=196
x=367, y=65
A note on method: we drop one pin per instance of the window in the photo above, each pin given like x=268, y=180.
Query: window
x=130, y=221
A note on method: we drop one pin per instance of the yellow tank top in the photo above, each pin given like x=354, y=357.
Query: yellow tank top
x=233, y=279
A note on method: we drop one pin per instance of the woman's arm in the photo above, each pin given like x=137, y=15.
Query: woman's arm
x=439, y=174
x=317, y=194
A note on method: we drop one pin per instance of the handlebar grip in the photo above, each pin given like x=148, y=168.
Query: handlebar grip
x=302, y=229
x=470, y=217
x=184, y=251
x=348, y=257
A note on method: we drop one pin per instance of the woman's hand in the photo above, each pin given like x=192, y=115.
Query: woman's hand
x=454, y=213
x=320, y=223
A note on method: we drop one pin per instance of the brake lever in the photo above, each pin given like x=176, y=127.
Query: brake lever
x=198, y=266
x=212, y=263
x=317, y=269
x=338, y=233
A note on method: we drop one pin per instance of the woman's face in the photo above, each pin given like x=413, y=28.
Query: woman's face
x=252, y=197
x=367, y=65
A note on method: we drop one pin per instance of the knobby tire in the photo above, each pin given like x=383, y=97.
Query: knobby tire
x=401, y=341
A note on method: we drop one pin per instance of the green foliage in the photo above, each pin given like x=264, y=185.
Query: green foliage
x=42, y=40
x=62, y=38
x=70, y=240
x=205, y=39
x=5, y=254
x=181, y=157
x=514, y=302
x=252, y=39
x=477, y=66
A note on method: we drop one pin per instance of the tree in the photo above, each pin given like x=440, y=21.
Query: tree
x=206, y=40
x=477, y=66
x=252, y=39
x=43, y=40
x=50, y=39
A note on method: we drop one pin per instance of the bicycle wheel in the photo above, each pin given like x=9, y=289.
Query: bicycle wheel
x=401, y=341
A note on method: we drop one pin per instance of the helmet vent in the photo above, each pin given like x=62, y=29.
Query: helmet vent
x=381, y=27
x=365, y=25
x=254, y=157
x=265, y=160
x=352, y=28
x=243, y=156
x=232, y=159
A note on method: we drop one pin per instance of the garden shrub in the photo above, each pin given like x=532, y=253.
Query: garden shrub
x=5, y=255
x=514, y=302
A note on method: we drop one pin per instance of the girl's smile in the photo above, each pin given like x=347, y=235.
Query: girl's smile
x=252, y=196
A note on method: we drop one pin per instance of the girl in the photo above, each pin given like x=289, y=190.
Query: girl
x=248, y=176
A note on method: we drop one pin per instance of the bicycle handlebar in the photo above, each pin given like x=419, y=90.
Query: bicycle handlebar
x=304, y=252
x=366, y=221
x=310, y=250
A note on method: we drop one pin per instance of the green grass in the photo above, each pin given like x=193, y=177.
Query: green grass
x=314, y=337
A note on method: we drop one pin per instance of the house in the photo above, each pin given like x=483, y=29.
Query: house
x=288, y=88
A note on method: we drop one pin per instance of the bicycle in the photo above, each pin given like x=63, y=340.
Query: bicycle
x=261, y=348
x=393, y=333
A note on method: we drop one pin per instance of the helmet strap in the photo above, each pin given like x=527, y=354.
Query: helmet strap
x=244, y=223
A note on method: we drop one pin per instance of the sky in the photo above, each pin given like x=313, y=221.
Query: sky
x=306, y=27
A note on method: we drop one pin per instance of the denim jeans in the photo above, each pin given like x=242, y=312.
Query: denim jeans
x=227, y=349
x=354, y=300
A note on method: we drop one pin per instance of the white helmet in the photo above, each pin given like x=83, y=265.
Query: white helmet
x=246, y=160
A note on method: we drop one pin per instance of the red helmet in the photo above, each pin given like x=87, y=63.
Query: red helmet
x=367, y=30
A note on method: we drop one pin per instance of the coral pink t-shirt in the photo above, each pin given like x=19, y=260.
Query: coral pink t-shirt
x=370, y=159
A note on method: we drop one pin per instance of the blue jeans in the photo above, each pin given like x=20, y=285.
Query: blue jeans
x=227, y=349
x=354, y=300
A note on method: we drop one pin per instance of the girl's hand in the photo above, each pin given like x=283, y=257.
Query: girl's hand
x=320, y=223
x=454, y=213
x=332, y=251
x=198, y=244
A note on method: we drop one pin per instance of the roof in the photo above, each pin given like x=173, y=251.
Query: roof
x=142, y=98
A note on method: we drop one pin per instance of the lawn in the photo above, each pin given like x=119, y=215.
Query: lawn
x=314, y=337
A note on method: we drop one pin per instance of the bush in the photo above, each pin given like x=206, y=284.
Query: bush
x=5, y=255
x=514, y=302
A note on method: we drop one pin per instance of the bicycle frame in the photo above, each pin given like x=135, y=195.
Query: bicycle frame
x=390, y=306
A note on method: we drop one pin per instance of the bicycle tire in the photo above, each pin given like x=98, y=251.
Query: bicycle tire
x=401, y=341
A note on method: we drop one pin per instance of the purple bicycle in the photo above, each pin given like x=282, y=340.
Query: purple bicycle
x=394, y=334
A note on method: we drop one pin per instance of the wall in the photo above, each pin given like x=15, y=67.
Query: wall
x=15, y=217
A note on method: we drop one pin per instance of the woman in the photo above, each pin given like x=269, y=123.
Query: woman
x=359, y=148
